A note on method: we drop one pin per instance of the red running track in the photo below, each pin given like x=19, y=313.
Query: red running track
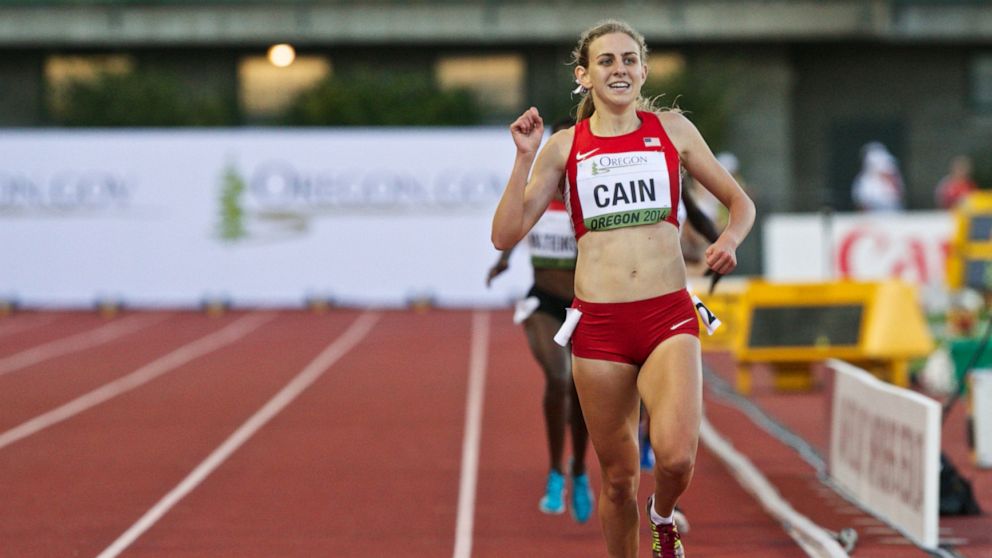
x=366, y=461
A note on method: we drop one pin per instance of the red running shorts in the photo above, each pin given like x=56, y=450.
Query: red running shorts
x=629, y=331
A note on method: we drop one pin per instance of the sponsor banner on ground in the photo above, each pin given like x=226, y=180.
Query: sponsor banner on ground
x=885, y=450
x=254, y=216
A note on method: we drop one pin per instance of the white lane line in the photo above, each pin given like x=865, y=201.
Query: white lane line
x=146, y=373
x=473, y=427
x=77, y=342
x=812, y=538
x=337, y=349
x=23, y=324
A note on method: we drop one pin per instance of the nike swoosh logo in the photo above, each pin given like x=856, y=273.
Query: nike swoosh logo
x=580, y=156
x=683, y=322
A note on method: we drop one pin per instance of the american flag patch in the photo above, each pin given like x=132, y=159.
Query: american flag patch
x=652, y=142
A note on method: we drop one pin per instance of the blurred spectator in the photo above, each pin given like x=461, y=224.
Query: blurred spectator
x=697, y=238
x=953, y=188
x=730, y=162
x=879, y=186
x=707, y=202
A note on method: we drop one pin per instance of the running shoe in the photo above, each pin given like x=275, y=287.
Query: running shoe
x=553, y=501
x=681, y=520
x=665, y=539
x=582, y=498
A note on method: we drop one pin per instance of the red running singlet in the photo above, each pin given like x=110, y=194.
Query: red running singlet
x=622, y=181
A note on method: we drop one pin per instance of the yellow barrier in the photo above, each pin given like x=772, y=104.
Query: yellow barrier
x=878, y=326
x=969, y=263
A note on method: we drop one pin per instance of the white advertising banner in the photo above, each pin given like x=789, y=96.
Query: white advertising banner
x=912, y=246
x=981, y=415
x=256, y=216
x=885, y=450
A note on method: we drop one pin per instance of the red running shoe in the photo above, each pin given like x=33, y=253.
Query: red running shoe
x=665, y=539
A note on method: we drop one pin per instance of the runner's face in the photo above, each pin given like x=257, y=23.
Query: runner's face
x=616, y=71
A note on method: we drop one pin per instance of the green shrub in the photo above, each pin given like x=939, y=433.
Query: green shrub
x=382, y=99
x=140, y=98
x=982, y=173
x=702, y=97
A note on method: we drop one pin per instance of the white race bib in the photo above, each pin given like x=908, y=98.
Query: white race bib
x=624, y=189
x=552, y=242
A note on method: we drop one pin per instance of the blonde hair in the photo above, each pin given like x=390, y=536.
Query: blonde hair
x=580, y=57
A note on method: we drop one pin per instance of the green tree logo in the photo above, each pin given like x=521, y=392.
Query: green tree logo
x=232, y=215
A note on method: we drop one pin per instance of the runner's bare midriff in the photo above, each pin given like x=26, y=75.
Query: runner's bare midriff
x=628, y=264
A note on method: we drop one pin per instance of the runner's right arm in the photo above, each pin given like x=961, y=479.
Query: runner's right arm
x=523, y=202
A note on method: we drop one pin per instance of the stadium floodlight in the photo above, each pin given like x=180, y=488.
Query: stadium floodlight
x=282, y=55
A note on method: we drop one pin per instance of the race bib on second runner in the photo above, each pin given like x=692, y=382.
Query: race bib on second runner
x=624, y=189
x=552, y=242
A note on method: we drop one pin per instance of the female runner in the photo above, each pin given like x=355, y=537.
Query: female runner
x=636, y=336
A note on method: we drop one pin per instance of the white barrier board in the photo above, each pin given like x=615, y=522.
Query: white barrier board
x=981, y=415
x=911, y=246
x=885, y=450
x=263, y=216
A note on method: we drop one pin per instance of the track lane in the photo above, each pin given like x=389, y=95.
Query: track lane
x=514, y=457
x=147, y=373
x=300, y=382
x=726, y=521
x=40, y=388
x=62, y=324
x=79, y=342
x=24, y=322
x=378, y=438
x=364, y=463
x=74, y=488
